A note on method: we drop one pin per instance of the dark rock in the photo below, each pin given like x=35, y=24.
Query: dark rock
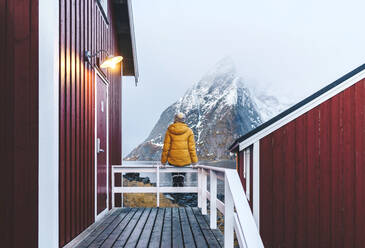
x=132, y=176
x=219, y=109
x=146, y=180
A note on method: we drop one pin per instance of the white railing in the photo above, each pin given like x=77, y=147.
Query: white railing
x=237, y=213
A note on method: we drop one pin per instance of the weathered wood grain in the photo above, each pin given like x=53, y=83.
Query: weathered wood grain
x=114, y=232
x=100, y=239
x=209, y=236
x=100, y=228
x=177, y=239
x=124, y=236
x=166, y=230
x=156, y=235
x=186, y=229
x=144, y=239
x=138, y=229
x=194, y=225
x=153, y=227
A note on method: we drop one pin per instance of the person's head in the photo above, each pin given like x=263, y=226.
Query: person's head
x=179, y=117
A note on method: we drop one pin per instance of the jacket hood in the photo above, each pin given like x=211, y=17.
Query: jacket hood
x=178, y=128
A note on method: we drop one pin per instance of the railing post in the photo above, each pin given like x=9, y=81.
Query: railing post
x=213, y=200
x=122, y=195
x=158, y=185
x=199, y=187
x=228, y=215
x=204, y=192
x=113, y=185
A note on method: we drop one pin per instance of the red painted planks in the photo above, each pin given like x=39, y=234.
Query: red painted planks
x=318, y=202
x=336, y=175
x=19, y=123
x=313, y=177
x=89, y=95
x=62, y=119
x=242, y=164
x=349, y=167
x=93, y=31
x=68, y=202
x=241, y=169
x=82, y=116
x=25, y=122
x=81, y=28
x=6, y=123
x=251, y=177
x=325, y=174
x=301, y=181
x=266, y=194
x=77, y=119
x=278, y=188
x=359, y=163
x=288, y=145
x=73, y=120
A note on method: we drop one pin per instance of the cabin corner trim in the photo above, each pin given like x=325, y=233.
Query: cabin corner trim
x=48, y=166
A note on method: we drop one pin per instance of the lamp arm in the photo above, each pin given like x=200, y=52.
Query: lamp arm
x=100, y=51
x=88, y=55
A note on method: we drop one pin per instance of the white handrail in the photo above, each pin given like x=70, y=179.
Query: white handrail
x=238, y=216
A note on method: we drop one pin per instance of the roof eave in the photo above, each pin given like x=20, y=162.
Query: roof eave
x=125, y=35
x=133, y=41
x=297, y=106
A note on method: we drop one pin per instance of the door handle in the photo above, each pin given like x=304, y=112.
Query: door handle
x=98, y=149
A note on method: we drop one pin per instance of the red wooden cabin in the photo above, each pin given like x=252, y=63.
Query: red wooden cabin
x=60, y=121
x=306, y=169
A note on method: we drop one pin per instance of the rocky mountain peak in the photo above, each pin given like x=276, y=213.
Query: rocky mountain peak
x=219, y=108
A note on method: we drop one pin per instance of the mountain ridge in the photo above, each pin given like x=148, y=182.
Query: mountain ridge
x=219, y=108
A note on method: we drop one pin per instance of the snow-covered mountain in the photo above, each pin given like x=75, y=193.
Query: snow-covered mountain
x=219, y=109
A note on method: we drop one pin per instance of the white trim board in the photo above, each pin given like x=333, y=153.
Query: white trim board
x=256, y=183
x=48, y=166
x=133, y=40
x=302, y=110
x=97, y=217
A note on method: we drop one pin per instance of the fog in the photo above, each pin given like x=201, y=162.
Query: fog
x=288, y=49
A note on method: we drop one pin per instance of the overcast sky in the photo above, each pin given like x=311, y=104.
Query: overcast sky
x=287, y=48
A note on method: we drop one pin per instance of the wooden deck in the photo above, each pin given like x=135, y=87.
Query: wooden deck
x=154, y=227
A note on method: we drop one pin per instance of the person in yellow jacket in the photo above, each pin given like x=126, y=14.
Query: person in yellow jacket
x=179, y=147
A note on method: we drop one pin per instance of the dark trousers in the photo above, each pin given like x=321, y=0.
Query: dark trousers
x=178, y=178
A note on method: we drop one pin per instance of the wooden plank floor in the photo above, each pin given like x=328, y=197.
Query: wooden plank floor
x=154, y=227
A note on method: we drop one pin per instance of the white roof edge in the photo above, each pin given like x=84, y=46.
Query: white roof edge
x=133, y=40
x=302, y=110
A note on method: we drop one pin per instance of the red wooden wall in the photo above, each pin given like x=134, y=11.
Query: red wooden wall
x=312, y=176
x=19, y=123
x=82, y=27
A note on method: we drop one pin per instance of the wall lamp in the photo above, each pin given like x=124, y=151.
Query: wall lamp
x=110, y=62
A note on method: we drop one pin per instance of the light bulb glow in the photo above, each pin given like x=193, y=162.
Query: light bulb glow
x=111, y=61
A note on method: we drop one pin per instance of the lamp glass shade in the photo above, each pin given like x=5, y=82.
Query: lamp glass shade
x=111, y=61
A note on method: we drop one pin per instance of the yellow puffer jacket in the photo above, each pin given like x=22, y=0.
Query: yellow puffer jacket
x=179, y=145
